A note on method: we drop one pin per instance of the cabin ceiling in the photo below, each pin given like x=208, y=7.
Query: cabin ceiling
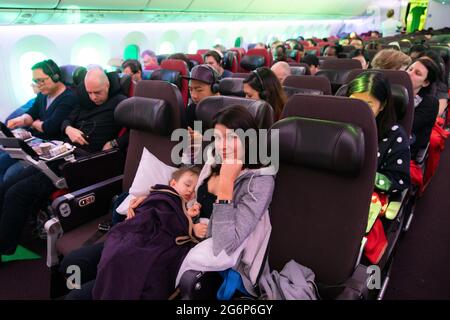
x=17, y=12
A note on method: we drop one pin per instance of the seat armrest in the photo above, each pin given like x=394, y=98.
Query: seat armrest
x=356, y=287
x=54, y=232
x=198, y=285
x=84, y=205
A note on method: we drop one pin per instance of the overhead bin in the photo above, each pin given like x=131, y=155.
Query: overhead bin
x=27, y=4
x=220, y=6
x=103, y=4
x=168, y=5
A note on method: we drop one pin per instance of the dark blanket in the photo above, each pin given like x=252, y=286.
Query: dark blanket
x=141, y=257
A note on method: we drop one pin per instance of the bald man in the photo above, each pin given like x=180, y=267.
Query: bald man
x=281, y=70
x=91, y=126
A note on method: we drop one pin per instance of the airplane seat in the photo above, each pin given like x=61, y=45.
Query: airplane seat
x=263, y=53
x=322, y=59
x=348, y=49
x=196, y=59
x=170, y=76
x=232, y=87
x=78, y=75
x=151, y=122
x=202, y=52
x=146, y=74
x=341, y=64
x=307, y=82
x=312, y=50
x=126, y=84
x=210, y=106
x=338, y=191
x=230, y=61
x=161, y=57
x=67, y=74
x=301, y=70
x=250, y=63
x=182, y=68
x=168, y=92
x=239, y=75
x=444, y=52
x=336, y=77
x=290, y=91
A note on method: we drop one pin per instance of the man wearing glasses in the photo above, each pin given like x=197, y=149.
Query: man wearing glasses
x=51, y=107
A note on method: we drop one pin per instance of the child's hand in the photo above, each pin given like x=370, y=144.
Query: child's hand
x=194, y=210
x=134, y=203
x=200, y=230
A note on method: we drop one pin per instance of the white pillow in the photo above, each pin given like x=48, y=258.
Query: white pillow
x=151, y=171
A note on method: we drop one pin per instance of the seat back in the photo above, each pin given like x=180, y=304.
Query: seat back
x=210, y=106
x=150, y=121
x=341, y=64
x=309, y=82
x=241, y=75
x=162, y=57
x=336, y=77
x=67, y=74
x=230, y=61
x=290, y=91
x=167, y=92
x=195, y=58
x=182, y=68
x=401, y=78
x=327, y=167
x=262, y=53
x=250, y=63
x=444, y=52
x=232, y=87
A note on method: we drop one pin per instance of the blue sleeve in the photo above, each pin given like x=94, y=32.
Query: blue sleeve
x=33, y=112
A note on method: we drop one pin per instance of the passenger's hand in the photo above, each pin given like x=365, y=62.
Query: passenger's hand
x=200, y=230
x=76, y=136
x=107, y=146
x=194, y=210
x=37, y=124
x=230, y=170
x=134, y=203
x=16, y=122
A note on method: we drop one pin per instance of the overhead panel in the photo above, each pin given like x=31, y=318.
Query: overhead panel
x=103, y=4
x=8, y=16
x=34, y=16
x=168, y=5
x=29, y=4
x=235, y=6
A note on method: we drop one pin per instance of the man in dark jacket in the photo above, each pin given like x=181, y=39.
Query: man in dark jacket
x=90, y=126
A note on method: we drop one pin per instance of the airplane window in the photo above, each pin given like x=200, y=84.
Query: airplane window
x=26, y=61
x=218, y=41
x=193, y=46
x=166, y=48
x=87, y=56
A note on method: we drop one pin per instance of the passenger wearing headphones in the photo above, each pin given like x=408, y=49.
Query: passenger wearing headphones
x=263, y=84
x=215, y=60
x=133, y=68
x=51, y=107
x=203, y=82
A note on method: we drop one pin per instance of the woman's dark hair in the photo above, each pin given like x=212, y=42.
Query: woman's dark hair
x=134, y=65
x=377, y=85
x=269, y=88
x=238, y=117
x=432, y=76
x=440, y=64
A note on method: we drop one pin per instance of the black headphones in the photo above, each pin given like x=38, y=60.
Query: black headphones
x=263, y=94
x=54, y=73
x=215, y=84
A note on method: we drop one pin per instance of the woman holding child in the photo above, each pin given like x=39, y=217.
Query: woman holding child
x=142, y=255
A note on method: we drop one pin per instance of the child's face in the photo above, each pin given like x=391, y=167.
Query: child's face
x=185, y=186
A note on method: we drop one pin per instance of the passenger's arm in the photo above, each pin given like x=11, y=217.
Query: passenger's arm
x=395, y=175
x=232, y=223
x=52, y=125
x=24, y=120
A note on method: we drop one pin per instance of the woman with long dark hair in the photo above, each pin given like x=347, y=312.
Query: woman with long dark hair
x=263, y=84
x=423, y=73
x=393, y=153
